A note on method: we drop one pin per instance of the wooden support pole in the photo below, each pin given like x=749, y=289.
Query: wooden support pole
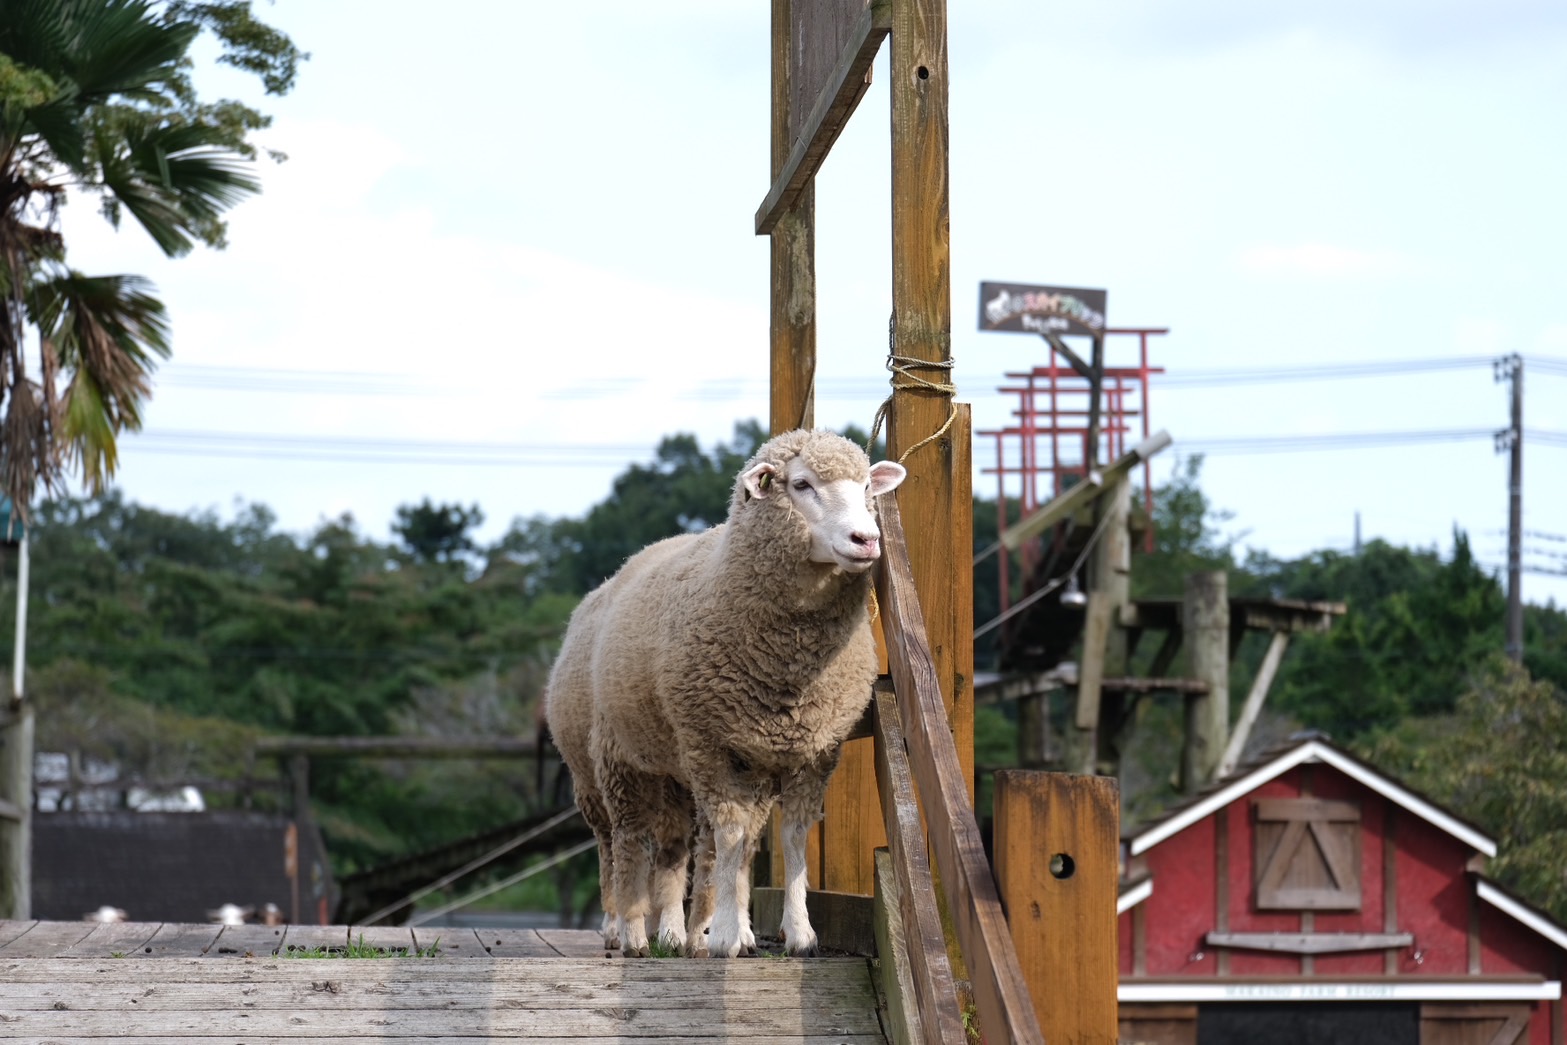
x=1205, y=617
x=792, y=331
x=1254, y=700
x=934, y=493
x=1056, y=865
x=16, y=828
x=1112, y=578
x=792, y=325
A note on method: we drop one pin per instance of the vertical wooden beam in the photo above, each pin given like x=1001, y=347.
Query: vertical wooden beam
x=792, y=324
x=1056, y=856
x=16, y=829
x=1474, y=933
x=1221, y=882
x=961, y=714
x=934, y=493
x=1389, y=884
x=1112, y=579
x=1139, y=940
x=852, y=829
x=792, y=401
x=793, y=260
x=1205, y=618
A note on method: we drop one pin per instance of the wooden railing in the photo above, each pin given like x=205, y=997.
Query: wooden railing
x=917, y=769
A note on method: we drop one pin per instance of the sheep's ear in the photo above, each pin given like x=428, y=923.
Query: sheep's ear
x=758, y=479
x=886, y=477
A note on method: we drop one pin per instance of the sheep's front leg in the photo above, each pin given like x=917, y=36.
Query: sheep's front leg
x=799, y=937
x=801, y=809
x=734, y=828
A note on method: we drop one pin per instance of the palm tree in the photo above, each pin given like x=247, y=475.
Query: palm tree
x=96, y=100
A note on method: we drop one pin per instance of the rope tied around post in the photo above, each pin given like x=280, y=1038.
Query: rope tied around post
x=904, y=367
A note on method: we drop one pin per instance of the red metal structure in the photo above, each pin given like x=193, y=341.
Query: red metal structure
x=1047, y=445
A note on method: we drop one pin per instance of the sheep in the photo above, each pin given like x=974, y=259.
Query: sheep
x=713, y=675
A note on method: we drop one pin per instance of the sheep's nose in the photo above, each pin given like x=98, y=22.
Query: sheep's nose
x=867, y=541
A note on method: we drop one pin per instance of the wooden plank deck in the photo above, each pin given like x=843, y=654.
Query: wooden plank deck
x=80, y=983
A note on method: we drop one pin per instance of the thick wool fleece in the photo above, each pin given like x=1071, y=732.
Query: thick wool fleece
x=724, y=664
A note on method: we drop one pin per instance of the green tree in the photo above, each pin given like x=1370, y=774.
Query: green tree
x=683, y=490
x=437, y=534
x=1189, y=536
x=96, y=99
x=1417, y=624
x=1500, y=760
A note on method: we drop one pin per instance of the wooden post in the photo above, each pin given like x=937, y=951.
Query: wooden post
x=792, y=326
x=934, y=493
x=1057, y=851
x=1112, y=576
x=16, y=814
x=1205, y=618
x=299, y=770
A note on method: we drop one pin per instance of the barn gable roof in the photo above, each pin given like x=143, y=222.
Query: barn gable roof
x=1312, y=750
x=1511, y=904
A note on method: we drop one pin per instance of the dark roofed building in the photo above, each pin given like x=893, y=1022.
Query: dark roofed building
x=176, y=867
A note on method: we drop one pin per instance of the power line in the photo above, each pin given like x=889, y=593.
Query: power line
x=1323, y=372
x=359, y=450
x=1268, y=444
x=718, y=389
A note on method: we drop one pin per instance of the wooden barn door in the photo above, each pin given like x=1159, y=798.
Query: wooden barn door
x=1158, y=1025
x=1473, y=1024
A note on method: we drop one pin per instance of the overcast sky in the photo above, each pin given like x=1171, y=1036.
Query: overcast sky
x=530, y=224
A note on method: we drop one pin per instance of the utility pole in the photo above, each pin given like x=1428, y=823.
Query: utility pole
x=1510, y=368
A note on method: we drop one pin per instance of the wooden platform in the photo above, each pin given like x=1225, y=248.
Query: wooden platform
x=64, y=982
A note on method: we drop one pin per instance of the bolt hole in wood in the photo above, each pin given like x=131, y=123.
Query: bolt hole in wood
x=923, y=73
x=1062, y=866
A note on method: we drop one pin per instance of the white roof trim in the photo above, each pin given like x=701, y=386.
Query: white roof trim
x=1312, y=751
x=1404, y=990
x=1533, y=919
x=1134, y=896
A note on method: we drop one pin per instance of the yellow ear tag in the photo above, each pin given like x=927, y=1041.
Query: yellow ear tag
x=767, y=481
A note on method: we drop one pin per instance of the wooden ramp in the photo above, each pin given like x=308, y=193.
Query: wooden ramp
x=63, y=982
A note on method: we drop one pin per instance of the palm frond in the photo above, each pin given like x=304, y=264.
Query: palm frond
x=91, y=438
x=107, y=333
x=175, y=181
x=119, y=47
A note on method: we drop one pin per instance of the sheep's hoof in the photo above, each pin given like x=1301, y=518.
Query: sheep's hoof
x=806, y=946
x=721, y=949
x=696, y=948
x=630, y=951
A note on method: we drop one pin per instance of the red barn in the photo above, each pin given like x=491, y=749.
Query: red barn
x=1311, y=898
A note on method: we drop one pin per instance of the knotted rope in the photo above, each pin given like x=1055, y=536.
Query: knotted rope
x=904, y=367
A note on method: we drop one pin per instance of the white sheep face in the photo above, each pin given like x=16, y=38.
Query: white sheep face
x=837, y=512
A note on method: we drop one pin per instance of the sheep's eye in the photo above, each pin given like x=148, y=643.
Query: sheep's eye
x=801, y=485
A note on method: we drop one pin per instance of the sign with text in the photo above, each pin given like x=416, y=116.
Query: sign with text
x=1029, y=309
